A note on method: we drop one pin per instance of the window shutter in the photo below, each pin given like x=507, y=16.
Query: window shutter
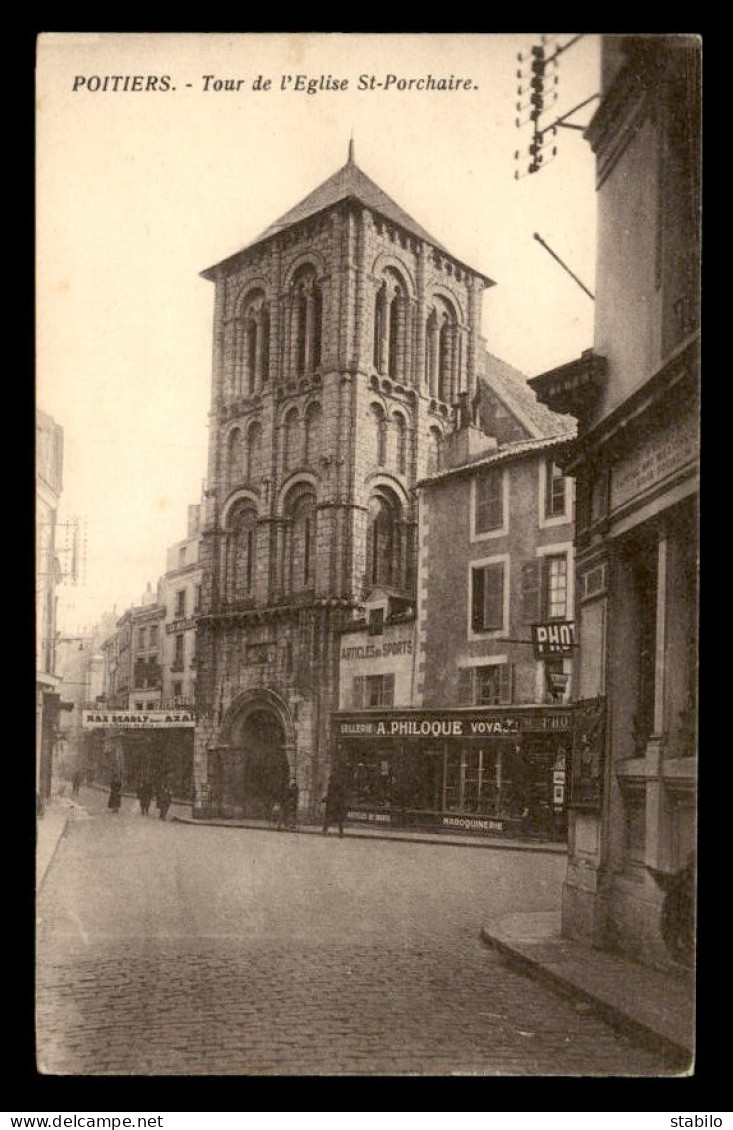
x=482, y=503
x=495, y=498
x=505, y=682
x=388, y=690
x=465, y=686
x=477, y=600
x=531, y=591
x=358, y=692
x=489, y=501
x=494, y=596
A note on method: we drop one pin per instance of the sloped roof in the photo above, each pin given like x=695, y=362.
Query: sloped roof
x=515, y=450
x=348, y=182
x=510, y=385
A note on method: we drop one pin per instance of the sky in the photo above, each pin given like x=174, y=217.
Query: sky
x=138, y=191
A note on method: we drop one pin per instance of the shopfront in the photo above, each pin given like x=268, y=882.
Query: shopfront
x=499, y=771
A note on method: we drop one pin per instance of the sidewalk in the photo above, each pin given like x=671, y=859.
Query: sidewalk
x=360, y=832
x=49, y=830
x=641, y=1002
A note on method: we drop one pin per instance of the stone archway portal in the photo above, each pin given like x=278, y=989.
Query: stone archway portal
x=264, y=763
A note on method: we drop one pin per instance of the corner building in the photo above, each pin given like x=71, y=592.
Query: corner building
x=343, y=337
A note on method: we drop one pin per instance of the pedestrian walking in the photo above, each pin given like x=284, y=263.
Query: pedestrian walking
x=336, y=805
x=115, y=795
x=76, y=783
x=291, y=805
x=145, y=795
x=164, y=801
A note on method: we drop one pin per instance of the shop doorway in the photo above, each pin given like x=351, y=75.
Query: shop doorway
x=265, y=770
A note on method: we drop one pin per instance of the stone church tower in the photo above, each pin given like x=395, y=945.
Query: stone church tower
x=343, y=337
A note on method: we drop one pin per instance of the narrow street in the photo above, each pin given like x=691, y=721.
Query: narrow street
x=165, y=948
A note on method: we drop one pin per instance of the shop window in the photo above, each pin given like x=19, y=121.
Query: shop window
x=634, y=805
x=555, y=501
x=487, y=597
x=489, y=501
x=645, y=584
x=181, y=602
x=485, y=685
x=372, y=690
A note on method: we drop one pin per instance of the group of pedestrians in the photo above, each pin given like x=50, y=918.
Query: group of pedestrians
x=145, y=795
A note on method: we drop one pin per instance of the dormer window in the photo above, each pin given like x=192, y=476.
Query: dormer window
x=376, y=622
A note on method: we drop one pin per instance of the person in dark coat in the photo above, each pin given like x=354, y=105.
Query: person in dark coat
x=291, y=805
x=164, y=801
x=145, y=795
x=76, y=782
x=115, y=795
x=336, y=804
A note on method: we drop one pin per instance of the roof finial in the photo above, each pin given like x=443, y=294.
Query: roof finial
x=351, y=149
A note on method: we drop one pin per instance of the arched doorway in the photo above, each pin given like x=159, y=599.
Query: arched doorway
x=264, y=764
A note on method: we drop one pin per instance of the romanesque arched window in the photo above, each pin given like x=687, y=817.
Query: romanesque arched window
x=379, y=324
x=252, y=349
x=254, y=451
x=290, y=439
x=306, y=323
x=392, y=347
x=234, y=458
x=241, y=546
x=400, y=431
x=445, y=361
x=435, y=441
x=299, y=549
x=384, y=540
x=312, y=433
x=442, y=351
x=379, y=421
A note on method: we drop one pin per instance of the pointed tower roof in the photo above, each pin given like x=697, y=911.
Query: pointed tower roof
x=348, y=182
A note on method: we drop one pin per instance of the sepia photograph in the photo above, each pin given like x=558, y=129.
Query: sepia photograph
x=367, y=553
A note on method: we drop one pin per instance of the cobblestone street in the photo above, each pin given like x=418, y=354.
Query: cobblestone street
x=165, y=948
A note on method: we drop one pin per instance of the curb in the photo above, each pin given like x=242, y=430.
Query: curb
x=618, y=1019
x=355, y=833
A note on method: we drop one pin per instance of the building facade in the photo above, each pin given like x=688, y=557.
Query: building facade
x=179, y=593
x=636, y=398
x=49, y=455
x=342, y=338
x=448, y=720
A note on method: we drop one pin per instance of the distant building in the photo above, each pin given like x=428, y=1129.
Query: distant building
x=636, y=398
x=49, y=452
x=448, y=719
x=179, y=592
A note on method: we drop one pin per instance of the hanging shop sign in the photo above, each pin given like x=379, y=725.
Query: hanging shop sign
x=181, y=625
x=556, y=637
x=136, y=719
